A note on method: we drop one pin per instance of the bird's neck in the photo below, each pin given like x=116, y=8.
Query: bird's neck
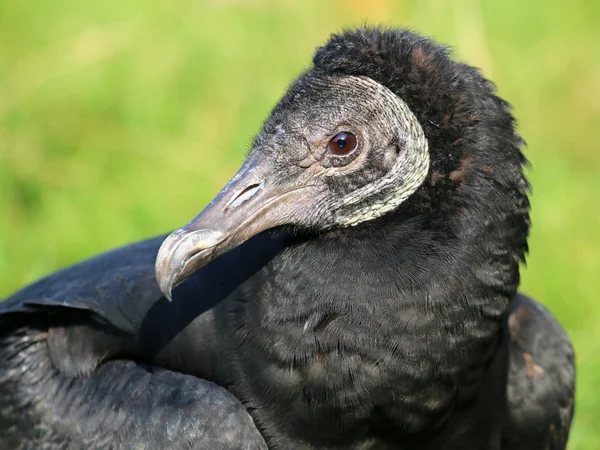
x=349, y=327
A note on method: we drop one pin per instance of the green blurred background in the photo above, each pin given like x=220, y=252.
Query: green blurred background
x=120, y=119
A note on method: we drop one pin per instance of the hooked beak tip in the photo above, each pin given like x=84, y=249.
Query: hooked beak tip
x=165, y=279
x=166, y=287
x=178, y=250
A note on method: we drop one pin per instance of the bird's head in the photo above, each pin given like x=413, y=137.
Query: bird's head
x=344, y=146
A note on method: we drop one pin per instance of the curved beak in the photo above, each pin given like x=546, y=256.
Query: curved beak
x=252, y=202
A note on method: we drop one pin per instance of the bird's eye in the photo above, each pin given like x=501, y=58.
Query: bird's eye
x=342, y=144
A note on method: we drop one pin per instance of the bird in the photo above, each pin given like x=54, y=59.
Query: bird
x=355, y=285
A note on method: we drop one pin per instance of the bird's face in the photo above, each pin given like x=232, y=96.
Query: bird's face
x=335, y=152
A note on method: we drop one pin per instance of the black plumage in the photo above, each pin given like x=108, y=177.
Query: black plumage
x=356, y=298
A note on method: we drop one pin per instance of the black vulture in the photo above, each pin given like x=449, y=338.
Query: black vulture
x=354, y=286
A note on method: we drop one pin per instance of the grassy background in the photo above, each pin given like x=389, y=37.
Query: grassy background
x=121, y=119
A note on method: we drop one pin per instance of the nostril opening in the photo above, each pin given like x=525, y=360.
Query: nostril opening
x=244, y=195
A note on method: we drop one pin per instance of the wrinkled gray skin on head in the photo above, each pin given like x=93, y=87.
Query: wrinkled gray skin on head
x=390, y=162
x=289, y=177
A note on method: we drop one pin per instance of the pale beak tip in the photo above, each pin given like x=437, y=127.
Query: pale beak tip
x=165, y=286
x=176, y=251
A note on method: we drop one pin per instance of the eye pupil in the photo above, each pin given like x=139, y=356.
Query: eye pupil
x=342, y=144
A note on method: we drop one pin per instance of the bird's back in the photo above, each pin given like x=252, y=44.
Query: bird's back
x=541, y=379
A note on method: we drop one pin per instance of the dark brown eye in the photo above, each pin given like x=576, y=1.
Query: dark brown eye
x=342, y=144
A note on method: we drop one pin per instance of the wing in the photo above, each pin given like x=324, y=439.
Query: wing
x=80, y=357
x=120, y=404
x=541, y=379
x=116, y=288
